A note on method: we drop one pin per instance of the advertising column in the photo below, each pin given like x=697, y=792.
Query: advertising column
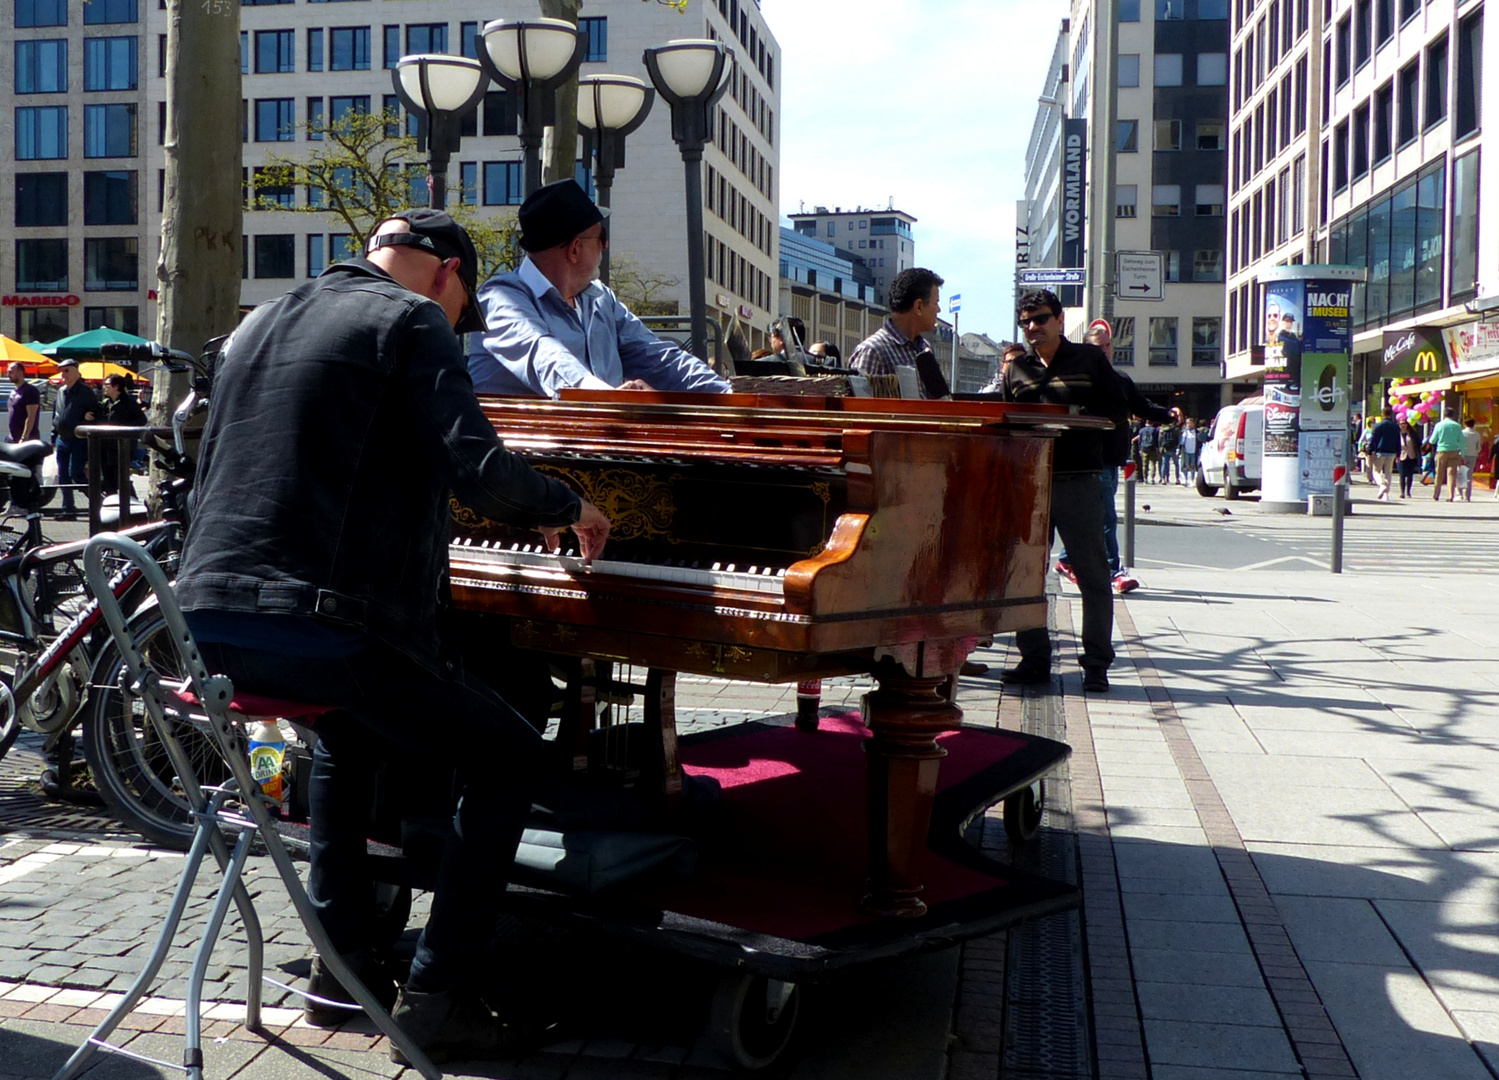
x=1307, y=337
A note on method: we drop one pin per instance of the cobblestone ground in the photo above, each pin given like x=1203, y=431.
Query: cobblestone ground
x=80, y=904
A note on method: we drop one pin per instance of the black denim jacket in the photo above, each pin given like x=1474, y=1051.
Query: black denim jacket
x=342, y=417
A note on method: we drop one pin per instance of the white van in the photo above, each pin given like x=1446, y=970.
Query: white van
x=1233, y=455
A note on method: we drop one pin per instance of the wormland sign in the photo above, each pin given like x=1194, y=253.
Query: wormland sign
x=1074, y=189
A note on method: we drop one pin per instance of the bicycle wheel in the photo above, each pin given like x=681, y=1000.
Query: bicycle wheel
x=130, y=764
x=10, y=721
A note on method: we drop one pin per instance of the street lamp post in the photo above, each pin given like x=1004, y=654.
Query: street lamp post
x=440, y=90
x=691, y=75
x=531, y=58
x=609, y=108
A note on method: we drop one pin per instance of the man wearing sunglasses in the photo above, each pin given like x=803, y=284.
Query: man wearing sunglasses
x=1056, y=371
x=553, y=326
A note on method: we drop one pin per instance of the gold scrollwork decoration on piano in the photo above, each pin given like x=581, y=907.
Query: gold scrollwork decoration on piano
x=524, y=632
x=464, y=518
x=637, y=506
x=564, y=633
x=717, y=654
x=824, y=491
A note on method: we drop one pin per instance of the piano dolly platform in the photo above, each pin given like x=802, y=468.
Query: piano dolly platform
x=774, y=902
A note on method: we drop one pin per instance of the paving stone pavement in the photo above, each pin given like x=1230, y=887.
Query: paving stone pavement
x=1285, y=826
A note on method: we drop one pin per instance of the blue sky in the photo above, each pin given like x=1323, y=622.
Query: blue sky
x=928, y=102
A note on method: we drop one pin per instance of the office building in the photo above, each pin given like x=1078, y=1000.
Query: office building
x=882, y=238
x=89, y=112
x=1169, y=191
x=832, y=291
x=1356, y=138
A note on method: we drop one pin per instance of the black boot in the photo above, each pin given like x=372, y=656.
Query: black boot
x=375, y=975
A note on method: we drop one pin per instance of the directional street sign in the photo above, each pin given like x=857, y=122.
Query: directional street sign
x=1138, y=275
x=1053, y=276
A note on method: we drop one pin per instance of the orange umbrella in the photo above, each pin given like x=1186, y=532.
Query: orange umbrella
x=14, y=352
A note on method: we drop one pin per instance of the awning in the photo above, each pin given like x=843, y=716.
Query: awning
x=1430, y=387
x=1486, y=380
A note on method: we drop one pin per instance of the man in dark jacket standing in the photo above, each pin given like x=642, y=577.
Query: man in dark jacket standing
x=1058, y=372
x=76, y=404
x=312, y=572
x=1384, y=446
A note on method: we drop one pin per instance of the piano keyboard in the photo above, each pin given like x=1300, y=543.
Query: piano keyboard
x=767, y=580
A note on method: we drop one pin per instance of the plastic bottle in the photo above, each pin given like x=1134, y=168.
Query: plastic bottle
x=267, y=753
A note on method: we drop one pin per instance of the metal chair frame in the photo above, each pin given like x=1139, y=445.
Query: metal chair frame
x=236, y=806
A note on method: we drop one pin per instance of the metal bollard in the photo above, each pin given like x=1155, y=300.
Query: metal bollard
x=1128, y=556
x=1339, y=485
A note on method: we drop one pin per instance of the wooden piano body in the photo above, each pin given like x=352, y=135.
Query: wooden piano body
x=779, y=539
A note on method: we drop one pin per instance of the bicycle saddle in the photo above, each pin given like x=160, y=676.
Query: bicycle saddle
x=24, y=453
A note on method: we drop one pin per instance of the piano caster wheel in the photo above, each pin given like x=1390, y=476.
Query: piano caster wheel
x=752, y=1019
x=1023, y=813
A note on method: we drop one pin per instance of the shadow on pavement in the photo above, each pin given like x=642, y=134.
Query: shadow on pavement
x=24, y=1053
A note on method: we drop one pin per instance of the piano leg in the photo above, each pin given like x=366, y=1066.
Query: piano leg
x=905, y=716
x=580, y=709
x=661, y=730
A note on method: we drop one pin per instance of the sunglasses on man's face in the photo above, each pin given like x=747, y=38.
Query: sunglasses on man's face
x=1040, y=318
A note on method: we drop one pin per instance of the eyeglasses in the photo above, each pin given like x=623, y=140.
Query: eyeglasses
x=602, y=237
x=1039, y=319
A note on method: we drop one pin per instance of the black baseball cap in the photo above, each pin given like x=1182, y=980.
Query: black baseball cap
x=554, y=214
x=435, y=232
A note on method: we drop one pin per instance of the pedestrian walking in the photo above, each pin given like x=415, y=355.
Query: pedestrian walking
x=1410, y=458
x=1472, y=445
x=75, y=404
x=1169, y=440
x=1149, y=438
x=1187, y=452
x=1447, y=446
x=1384, y=447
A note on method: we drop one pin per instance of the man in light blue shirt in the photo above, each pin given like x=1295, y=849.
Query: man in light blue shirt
x=553, y=326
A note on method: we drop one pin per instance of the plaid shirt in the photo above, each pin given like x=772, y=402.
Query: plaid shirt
x=885, y=350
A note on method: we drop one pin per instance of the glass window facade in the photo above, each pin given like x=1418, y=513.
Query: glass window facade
x=41, y=199
x=1207, y=341
x=1129, y=69
x=317, y=254
x=125, y=319
x=426, y=38
x=1168, y=69
x=42, y=264
x=42, y=66
x=276, y=256
x=598, y=39
x=350, y=48
x=1399, y=237
x=100, y=12
x=109, y=63
x=110, y=198
x=41, y=132
x=275, y=51
x=1163, y=341
x=1464, y=232
x=109, y=130
x=111, y=264
x=41, y=13
x=315, y=49
x=502, y=183
x=275, y=120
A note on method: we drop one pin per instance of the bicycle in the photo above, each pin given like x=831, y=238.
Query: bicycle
x=49, y=689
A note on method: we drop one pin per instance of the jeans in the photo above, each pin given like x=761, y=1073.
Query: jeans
x=389, y=708
x=1108, y=487
x=1077, y=516
x=1408, y=468
x=72, y=467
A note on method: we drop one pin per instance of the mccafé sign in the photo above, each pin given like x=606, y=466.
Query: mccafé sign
x=51, y=300
x=1419, y=352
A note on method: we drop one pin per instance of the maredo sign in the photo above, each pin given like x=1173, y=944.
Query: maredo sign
x=40, y=301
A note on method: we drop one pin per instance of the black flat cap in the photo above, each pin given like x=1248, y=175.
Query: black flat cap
x=434, y=231
x=554, y=214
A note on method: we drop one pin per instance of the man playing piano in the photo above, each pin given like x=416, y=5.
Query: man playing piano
x=1058, y=372
x=553, y=326
x=342, y=417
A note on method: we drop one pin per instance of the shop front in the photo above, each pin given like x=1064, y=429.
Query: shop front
x=1454, y=370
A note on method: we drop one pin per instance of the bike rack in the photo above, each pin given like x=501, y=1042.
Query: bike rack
x=211, y=813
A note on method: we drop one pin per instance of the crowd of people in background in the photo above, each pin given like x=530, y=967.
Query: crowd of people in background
x=1166, y=453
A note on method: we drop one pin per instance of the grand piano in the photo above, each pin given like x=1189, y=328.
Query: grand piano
x=777, y=539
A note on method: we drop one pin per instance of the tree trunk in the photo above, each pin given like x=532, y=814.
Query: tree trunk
x=562, y=161
x=203, y=220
